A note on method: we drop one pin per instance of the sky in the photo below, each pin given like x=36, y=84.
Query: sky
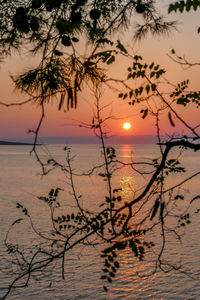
x=16, y=121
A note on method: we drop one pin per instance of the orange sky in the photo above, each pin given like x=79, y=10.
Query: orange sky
x=15, y=121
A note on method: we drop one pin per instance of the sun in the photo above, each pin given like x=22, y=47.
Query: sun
x=127, y=125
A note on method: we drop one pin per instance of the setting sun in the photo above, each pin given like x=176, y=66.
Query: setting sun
x=127, y=125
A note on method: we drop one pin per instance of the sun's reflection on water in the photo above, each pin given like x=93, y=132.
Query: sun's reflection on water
x=127, y=187
x=126, y=151
x=126, y=178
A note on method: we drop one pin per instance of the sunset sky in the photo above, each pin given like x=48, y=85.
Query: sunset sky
x=15, y=121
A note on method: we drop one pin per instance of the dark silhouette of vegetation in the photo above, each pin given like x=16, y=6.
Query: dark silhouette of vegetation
x=54, y=30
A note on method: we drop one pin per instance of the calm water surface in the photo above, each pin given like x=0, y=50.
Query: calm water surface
x=21, y=182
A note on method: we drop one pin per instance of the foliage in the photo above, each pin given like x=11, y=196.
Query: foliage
x=54, y=29
x=184, y=6
x=48, y=28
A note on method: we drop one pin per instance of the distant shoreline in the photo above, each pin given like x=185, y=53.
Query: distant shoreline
x=5, y=143
x=69, y=140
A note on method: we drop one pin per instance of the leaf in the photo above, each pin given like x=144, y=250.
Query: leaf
x=129, y=76
x=141, y=249
x=171, y=8
x=103, y=55
x=178, y=197
x=120, y=95
x=181, y=6
x=170, y=119
x=140, y=90
x=105, y=270
x=172, y=51
x=110, y=258
x=153, y=87
x=69, y=98
x=105, y=289
x=62, y=97
x=152, y=74
x=155, y=208
x=188, y=5
x=151, y=66
x=114, y=270
x=116, y=264
x=183, y=101
x=147, y=89
x=58, y=53
x=110, y=60
x=75, y=40
x=125, y=96
x=121, y=47
x=195, y=4
x=51, y=193
x=133, y=246
x=137, y=57
x=96, y=33
x=156, y=68
x=117, y=190
x=112, y=274
x=104, y=41
x=144, y=112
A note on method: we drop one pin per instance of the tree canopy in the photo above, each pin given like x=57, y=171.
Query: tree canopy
x=55, y=29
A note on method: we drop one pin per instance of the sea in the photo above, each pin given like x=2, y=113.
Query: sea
x=21, y=181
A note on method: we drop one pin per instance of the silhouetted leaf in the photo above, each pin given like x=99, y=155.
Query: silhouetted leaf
x=105, y=289
x=170, y=119
x=153, y=87
x=144, y=113
x=58, y=53
x=121, y=47
x=110, y=60
x=70, y=98
x=155, y=208
x=147, y=89
x=172, y=51
x=62, y=97
x=116, y=263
